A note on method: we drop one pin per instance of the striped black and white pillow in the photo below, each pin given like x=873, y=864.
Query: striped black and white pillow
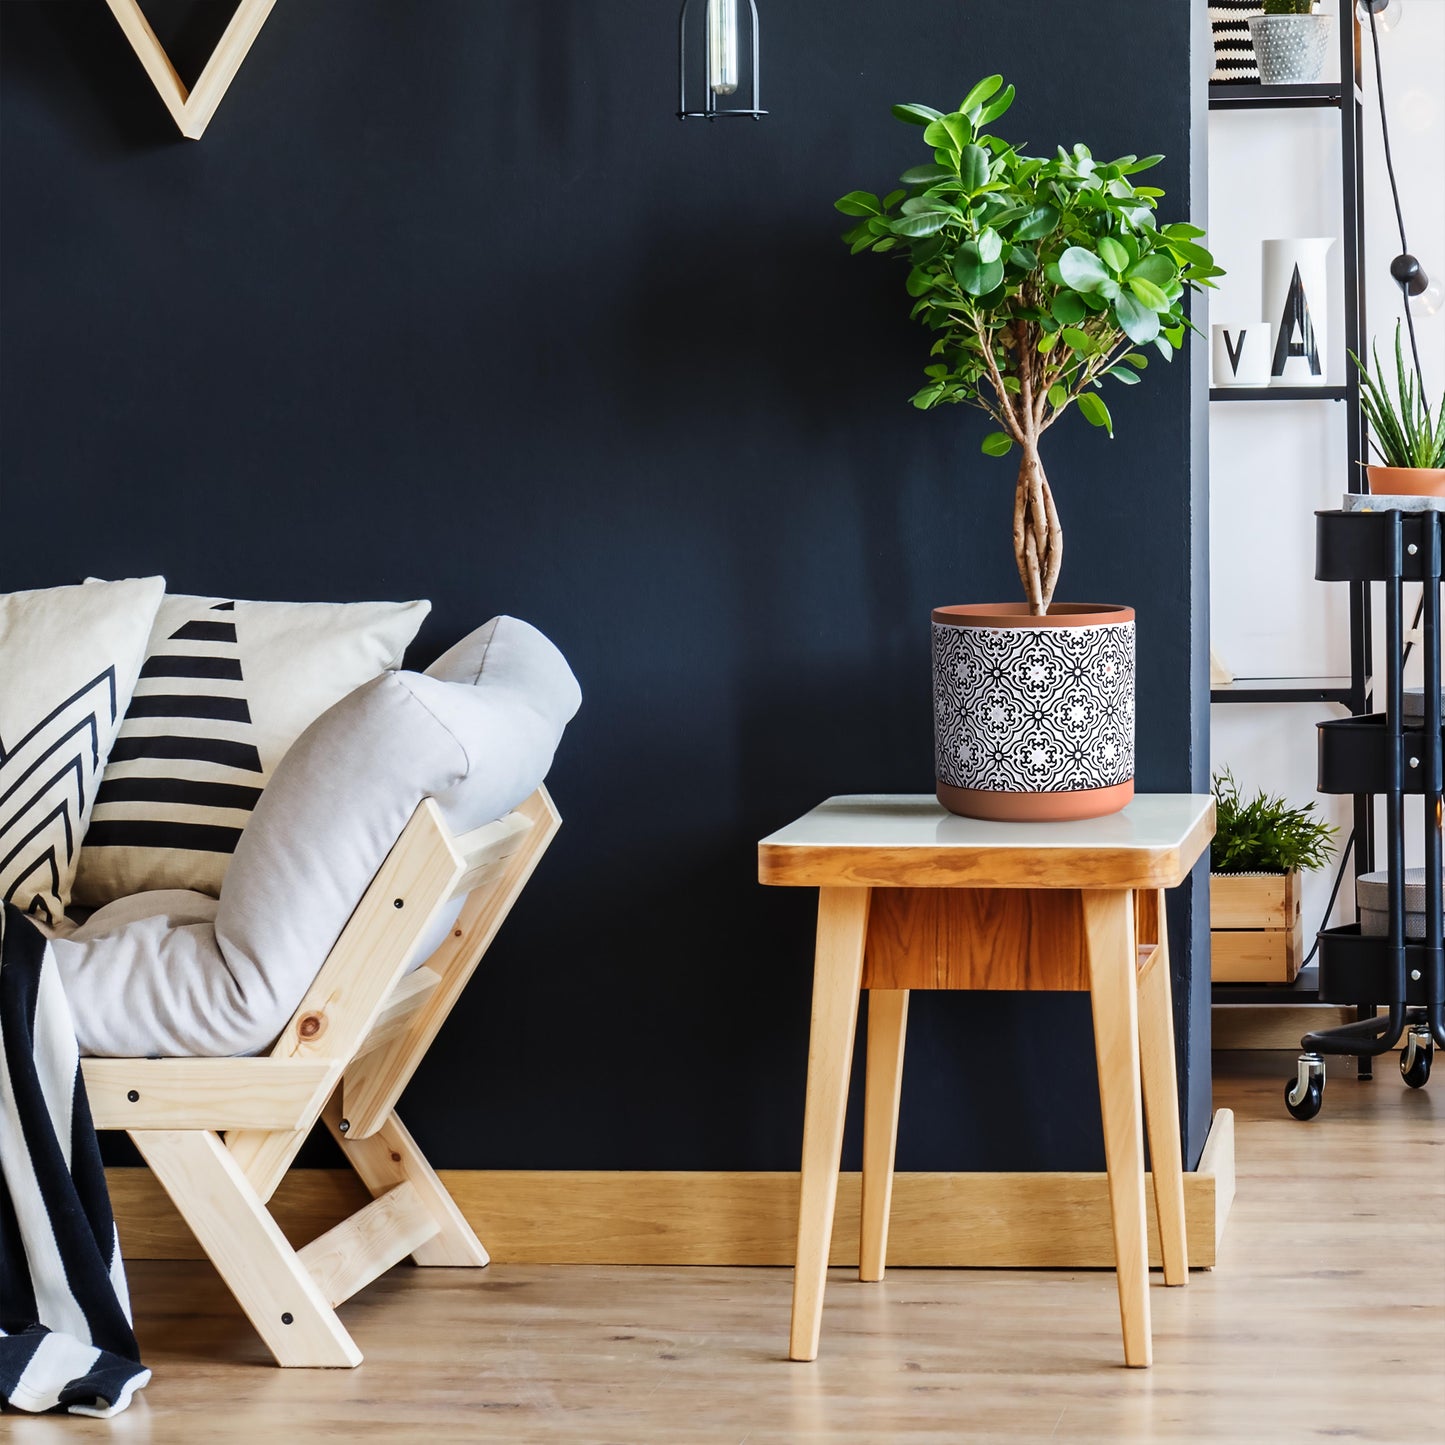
x=1233, y=49
x=68, y=661
x=226, y=689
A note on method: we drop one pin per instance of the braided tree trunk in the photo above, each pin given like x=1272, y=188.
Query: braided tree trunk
x=1038, y=537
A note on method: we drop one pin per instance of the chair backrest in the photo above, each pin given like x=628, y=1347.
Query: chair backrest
x=365, y=1012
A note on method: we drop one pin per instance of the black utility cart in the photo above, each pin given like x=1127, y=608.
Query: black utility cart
x=1385, y=754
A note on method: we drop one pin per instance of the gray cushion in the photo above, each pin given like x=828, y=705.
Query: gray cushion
x=477, y=734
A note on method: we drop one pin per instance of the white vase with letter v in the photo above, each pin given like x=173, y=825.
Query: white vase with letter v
x=1242, y=353
x=1296, y=304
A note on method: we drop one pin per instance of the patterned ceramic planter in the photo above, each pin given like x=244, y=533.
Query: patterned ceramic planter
x=1034, y=716
x=1290, y=49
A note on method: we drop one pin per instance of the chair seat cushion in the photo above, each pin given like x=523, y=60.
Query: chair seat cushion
x=159, y=977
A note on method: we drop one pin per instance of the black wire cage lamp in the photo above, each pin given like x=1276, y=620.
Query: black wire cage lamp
x=717, y=44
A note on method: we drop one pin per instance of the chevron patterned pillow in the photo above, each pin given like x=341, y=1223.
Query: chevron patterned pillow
x=226, y=688
x=69, y=657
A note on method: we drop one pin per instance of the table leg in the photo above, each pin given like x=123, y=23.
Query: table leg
x=837, y=977
x=1109, y=931
x=887, y=1023
x=1161, y=1105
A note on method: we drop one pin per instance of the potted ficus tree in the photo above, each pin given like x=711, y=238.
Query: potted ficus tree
x=1040, y=278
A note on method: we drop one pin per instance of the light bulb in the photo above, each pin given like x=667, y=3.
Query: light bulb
x=1388, y=14
x=722, y=46
x=1430, y=301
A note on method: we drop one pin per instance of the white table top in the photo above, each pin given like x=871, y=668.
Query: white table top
x=911, y=840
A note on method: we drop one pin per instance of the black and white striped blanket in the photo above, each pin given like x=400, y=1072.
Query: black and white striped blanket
x=65, y=1333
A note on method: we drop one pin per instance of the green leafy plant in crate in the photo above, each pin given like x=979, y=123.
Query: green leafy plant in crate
x=1264, y=834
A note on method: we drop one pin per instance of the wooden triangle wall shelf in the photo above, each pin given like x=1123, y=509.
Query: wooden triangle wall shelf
x=192, y=110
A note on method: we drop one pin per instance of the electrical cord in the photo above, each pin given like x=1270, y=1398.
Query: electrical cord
x=1394, y=188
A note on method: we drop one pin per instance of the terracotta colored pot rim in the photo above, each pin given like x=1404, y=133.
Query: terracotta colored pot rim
x=1035, y=807
x=1405, y=481
x=1017, y=614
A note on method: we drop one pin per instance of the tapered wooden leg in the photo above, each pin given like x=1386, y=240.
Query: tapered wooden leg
x=272, y=1285
x=1161, y=1105
x=390, y=1157
x=1109, y=930
x=837, y=976
x=887, y=1024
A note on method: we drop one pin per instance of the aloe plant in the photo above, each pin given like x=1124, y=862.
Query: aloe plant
x=1402, y=431
x=1289, y=7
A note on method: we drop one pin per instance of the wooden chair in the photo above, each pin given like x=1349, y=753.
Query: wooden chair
x=220, y=1134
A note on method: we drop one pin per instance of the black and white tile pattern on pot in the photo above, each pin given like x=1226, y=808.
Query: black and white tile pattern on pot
x=1034, y=709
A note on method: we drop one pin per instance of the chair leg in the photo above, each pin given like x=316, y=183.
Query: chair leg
x=1113, y=964
x=887, y=1024
x=1161, y=1107
x=391, y=1157
x=233, y=1226
x=837, y=976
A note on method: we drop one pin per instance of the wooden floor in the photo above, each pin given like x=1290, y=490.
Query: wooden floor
x=1325, y=1318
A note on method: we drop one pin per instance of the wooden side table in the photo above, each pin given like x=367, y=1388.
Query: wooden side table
x=911, y=896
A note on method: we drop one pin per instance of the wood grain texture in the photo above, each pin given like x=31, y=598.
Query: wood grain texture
x=837, y=973
x=1254, y=900
x=205, y=1093
x=579, y=1354
x=1113, y=964
x=192, y=110
x=360, y=1249
x=883, y=1090
x=985, y=938
x=1258, y=955
x=664, y=1218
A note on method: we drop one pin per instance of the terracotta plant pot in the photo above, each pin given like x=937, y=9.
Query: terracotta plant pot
x=1034, y=716
x=1407, y=481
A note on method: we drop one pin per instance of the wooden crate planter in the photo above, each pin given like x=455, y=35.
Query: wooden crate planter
x=1255, y=931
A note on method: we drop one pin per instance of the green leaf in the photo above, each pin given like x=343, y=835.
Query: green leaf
x=1189, y=251
x=1113, y=255
x=1095, y=412
x=973, y=167
x=916, y=114
x=926, y=175
x=959, y=127
x=1058, y=395
x=1082, y=270
x=1047, y=342
x=1135, y=166
x=990, y=244
x=1181, y=229
x=1155, y=267
x=941, y=138
x=1068, y=308
x=1135, y=358
x=926, y=397
x=980, y=92
x=1122, y=373
x=997, y=444
x=858, y=203
x=1139, y=322
x=996, y=107
x=1149, y=293
x=1023, y=258
x=921, y=225
x=919, y=282
x=892, y=199
x=1077, y=341
x=1162, y=346
x=977, y=276
x=1037, y=224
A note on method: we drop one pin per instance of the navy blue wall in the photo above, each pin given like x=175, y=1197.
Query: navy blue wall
x=447, y=304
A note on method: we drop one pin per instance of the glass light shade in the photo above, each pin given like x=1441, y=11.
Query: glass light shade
x=1388, y=14
x=1431, y=300
x=722, y=46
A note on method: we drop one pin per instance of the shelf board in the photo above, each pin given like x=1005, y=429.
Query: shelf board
x=1279, y=393
x=1250, y=95
x=1283, y=689
x=1305, y=989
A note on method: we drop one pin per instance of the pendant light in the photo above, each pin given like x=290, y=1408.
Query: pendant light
x=717, y=49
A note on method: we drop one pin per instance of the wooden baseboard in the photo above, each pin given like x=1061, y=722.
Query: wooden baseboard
x=1271, y=1026
x=1020, y=1221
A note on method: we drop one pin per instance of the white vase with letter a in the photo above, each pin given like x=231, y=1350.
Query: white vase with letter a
x=1296, y=304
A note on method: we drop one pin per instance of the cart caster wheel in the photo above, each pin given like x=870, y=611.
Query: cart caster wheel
x=1305, y=1096
x=1416, y=1057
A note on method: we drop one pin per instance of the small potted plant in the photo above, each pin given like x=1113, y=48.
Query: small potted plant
x=1040, y=278
x=1261, y=846
x=1409, y=443
x=1290, y=41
